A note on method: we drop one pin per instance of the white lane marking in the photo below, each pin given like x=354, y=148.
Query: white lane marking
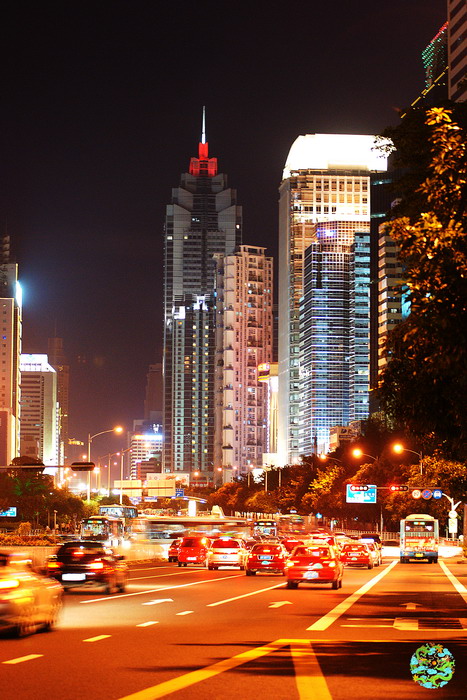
x=186, y=612
x=460, y=588
x=280, y=603
x=159, y=600
x=246, y=595
x=327, y=620
x=20, y=659
x=367, y=626
x=156, y=590
x=98, y=638
x=148, y=623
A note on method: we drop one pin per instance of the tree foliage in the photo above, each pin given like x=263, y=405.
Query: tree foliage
x=424, y=386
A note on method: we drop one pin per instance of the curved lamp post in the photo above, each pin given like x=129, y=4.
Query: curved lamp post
x=398, y=449
x=118, y=429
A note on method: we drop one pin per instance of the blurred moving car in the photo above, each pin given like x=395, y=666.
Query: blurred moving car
x=174, y=549
x=375, y=552
x=193, y=550
x=28, y=601
x=357, y=554
x=371, y=537
x=314, y=563
x=266, y=557
x=88, y=563
x=290, y=544
x=226, y=551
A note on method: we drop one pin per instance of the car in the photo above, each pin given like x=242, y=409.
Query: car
x=193, y=550
x=266, y=557
x=174, y=549
x=357, y=554
x=290, y=544
x=314, y=563
x=371, y=537
x=88, y=563
x=375, y=552
x=226, y=551
x=28, y=600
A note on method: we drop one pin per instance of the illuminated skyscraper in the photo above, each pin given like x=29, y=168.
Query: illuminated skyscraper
x=457, y=49
x=10, y=344
x=324, y=223
x=39, y=409
x=59, y=362
x=203, y=220
x=245, y=333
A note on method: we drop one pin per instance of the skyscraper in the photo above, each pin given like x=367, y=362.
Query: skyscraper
x=59, y=362
x=457, y=49
x=324, y=206
x=245, y=338
x=10, y=344
x=203, y=220
x=39, y=409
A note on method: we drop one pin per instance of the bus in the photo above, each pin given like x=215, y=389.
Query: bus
x=128, y=514
x=103, y=528
x=161, y=530
x=419, y=538
x=266, y=528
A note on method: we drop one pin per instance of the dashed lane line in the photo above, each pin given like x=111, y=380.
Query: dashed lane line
x=185, y=612
x=155, y=590
x=148, y=623
x=98, y=638
x=20, y=659
x=327, y=620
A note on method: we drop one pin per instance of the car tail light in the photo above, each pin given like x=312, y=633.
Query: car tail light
x=8, y=584
x=96, y=565
x=53, y=564
x=332, y=564
x=291, y=562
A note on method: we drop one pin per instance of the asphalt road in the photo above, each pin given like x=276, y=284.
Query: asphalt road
x=192, y=633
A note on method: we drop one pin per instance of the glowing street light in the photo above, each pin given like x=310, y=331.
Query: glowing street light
x=356, y=452
x=118, y=429
x=399, y=449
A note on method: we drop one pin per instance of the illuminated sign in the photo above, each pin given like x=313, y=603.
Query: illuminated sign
x=9, y=513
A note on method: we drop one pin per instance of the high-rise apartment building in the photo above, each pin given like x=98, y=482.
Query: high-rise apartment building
x=58, y=361
x=325, y=206
x=202, y=221
x=39, y=409
x=10, y=351
x=244, y=341
x=457, y=49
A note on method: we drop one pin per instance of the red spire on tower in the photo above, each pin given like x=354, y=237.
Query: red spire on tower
x=203, y=165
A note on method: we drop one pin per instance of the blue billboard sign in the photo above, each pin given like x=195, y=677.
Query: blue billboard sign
x=9, y=513
x=179, y=493
x=368, y=495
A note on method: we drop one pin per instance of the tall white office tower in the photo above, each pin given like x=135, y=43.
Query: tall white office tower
x=39, y=409
x=244, y=342
x=10, y=344
x=203, y=220
x=324, y=223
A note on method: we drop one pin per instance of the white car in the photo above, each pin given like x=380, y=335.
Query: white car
x=226, y=551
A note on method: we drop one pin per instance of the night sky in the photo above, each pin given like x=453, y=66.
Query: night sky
x=102, y=105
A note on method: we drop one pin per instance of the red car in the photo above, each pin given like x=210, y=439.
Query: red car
x=291, y=543
x=315, y=563
x=266, y=557
x=193, y=550
x=357, y=554
x=174, y=549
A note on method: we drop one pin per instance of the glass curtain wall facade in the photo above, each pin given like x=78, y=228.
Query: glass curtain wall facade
x=203, y=220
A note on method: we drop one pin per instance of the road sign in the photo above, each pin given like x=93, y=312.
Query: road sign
x=367, y=496
x=359, y=487
x=452, y=525
x=416, y=493
x=427, y=494
x=179, y=493
x=437, y=493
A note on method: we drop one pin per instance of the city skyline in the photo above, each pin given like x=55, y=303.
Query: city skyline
x=101, y=122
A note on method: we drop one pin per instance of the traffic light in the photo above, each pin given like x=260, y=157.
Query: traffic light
x=359, y=487
x=82, y=466
x=398, y=487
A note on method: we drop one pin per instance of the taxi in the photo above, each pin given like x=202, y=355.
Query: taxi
x=314, y=563
x=226, y=551
x=193, y=550
x=375, y=551
x=357, y=554
x=266, y=557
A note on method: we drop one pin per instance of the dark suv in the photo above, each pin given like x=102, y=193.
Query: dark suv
x=88, y=563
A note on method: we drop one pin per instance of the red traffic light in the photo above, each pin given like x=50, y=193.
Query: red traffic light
x=398, y=487
x=359, y=487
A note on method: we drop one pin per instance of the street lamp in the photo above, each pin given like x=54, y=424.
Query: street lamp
x=325, y=458
x=398, y=449
x=356, y=452
x=117, y=429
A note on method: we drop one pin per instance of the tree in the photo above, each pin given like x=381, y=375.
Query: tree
x=424, y=385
